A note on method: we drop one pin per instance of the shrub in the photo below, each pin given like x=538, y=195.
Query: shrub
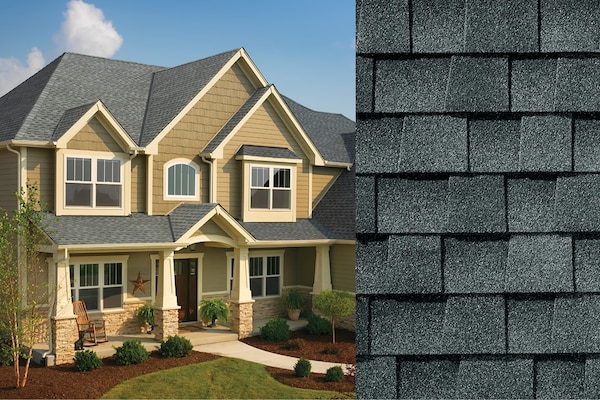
x=146, y=314
x=331, y=350
x=87, y=360
x=175, y=346
x=318, y=325
x=334, y=304
x=302, y=367
x=131, y=352
x=294, y=344
x=334, y=374
x=276, y=330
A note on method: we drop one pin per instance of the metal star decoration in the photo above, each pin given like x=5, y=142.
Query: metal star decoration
x=139, y=284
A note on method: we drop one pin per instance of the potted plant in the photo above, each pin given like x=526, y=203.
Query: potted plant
x=213, y=309
x=293, y=302
x=146, y=316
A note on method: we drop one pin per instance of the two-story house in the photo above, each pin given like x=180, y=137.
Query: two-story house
x=197, y=181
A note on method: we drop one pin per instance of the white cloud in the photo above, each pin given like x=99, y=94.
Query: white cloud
x=13, y=72
x=84, y=30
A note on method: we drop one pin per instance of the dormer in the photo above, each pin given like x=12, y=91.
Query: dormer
x=93, y=156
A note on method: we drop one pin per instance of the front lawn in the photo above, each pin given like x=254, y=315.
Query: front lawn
x=223, y=378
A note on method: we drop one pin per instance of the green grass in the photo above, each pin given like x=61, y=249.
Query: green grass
x=223, y=378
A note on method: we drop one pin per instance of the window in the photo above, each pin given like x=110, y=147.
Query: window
x=181, y=179
x=264, y=276
x=270, y=188
x=99, y=285
x=93, y=182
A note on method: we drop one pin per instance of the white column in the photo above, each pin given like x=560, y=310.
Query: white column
x=165, y=296
x=62, y=286
x=241, y=276
x=322, y=270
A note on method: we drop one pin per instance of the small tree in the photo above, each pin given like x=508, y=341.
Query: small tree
x=21, y=294
x=334, y=304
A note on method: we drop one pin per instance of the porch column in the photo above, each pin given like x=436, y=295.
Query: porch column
x=166, y=310
x=322, y=270
x=63, y=329
x=241, y=296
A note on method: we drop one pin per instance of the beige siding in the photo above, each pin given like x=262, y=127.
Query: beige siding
x=40, y=170
x=195, y=130
x=211, y=228
x=94, y=137
x=343, y=267
x=322, y=178
x=8, y=180
x=138, y=184
x=305, y=271
x=264, y=128
x=214, y=270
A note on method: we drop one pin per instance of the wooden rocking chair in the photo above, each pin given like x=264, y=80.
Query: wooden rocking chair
x=95, y=330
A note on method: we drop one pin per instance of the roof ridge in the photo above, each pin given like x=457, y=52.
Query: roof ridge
x=199, y=60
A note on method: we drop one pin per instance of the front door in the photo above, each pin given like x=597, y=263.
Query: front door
x=186, y=288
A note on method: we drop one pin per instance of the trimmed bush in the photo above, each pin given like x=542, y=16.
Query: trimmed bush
x=302, y=367
x=294, y=344
x=87, y=360
x=276, y=330
x=175, y=346
x=334, y=374
x=330, y=350
x=131, y=352
x=318, y=325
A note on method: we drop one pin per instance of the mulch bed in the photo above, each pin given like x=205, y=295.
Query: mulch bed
x=64, y=382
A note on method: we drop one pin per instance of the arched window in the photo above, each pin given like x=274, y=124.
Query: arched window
x=182, y=179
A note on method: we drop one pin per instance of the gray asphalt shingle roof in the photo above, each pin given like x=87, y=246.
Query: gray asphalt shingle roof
x=265, y=151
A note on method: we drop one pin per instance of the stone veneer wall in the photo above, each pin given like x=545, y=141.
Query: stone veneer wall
x=166, y=323
x=478, y=207
x=64, y=334
x=241, y=318
x=122, y=322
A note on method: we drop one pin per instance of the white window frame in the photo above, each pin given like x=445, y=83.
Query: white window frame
x=258, y=254
x=188, y=163
x=271, y=188
x=76, y=284
x=94, y=158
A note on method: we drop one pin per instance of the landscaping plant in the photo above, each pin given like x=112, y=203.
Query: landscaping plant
x=21, y=321
x=175, y=346
x=275, y=330
x=213, y=309
x=146, y=315
x=87, y=360
x=334, y=304
x=318, y=325
x=131, y=352
x=302, y=367
x=334, y=374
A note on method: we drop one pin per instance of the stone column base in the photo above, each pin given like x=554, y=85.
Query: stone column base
x=241, y=318
x=64, y=335
x=166, y=323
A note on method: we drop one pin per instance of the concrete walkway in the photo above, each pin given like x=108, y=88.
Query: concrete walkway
x=241, y=350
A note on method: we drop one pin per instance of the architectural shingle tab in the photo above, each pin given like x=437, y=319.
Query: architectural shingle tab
x=415, y=329
x=378, y=144
x=494, y=145
x=412, y=205
x=414, y=266
x=411, y=85
x=438, y=27
x=530, y=325
x=474, y=325
x=576, y=324
x=586, y=261
x=368, y=265
x=478, y=84
x=541, y=263
x=382, y=26
x=569, y=25
x=434, y=144
x=474, y=266
x=559, y=379
x=476, y=204
x=578, y=203
x=576, y=88
x=531, y=205
x=495, y=379
x=533, y=84
x=497, y=27
x=586, y=145
x=429, y=379
x=545, y=143
x=365, y=198
x=381, y=385
x=364, y=84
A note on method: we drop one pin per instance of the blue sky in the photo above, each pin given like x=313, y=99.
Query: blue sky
x=306, y=48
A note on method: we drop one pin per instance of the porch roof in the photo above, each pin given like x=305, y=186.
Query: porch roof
x=302, y=229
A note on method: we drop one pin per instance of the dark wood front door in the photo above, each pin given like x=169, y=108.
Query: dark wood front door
x=186, y=288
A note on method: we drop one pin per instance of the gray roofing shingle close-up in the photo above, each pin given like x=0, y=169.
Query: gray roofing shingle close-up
x=478, y=127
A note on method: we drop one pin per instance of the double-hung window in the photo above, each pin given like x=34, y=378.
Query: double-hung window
x=93, y=182
x=265, y=272
x=270, y=188
x=98, y=284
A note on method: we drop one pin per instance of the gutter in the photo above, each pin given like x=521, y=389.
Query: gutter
x=348, y=166
x=18, y=153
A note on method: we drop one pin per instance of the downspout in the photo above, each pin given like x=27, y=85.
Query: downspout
x=18, y=153
x=211, y=194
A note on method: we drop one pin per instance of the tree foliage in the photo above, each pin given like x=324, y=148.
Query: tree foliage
x=334, y=304
x=23, y=289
